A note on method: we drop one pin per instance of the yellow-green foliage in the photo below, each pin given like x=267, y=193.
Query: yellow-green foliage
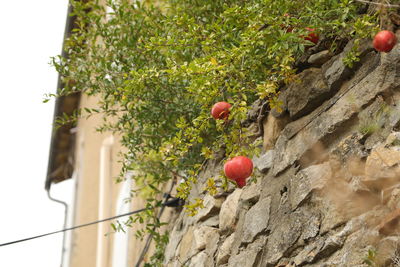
x=159, y=69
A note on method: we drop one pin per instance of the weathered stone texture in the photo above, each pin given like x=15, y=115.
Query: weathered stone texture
x=344, y=106
x=249, y=256
x=283, y=236
x=256, y=220
x=200, y=260
x=319, y=58
x=229, y=212
x=272, y=129
x=312, y=178
x=328, y=188
x=225, y=250
x=309, y=92
x=250, y=194
x=202, y=235
x=211, y=207
x=264, y=161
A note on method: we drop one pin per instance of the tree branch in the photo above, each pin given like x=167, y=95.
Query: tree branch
x=378, y=4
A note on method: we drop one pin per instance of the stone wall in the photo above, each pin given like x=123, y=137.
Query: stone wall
x=328, y=181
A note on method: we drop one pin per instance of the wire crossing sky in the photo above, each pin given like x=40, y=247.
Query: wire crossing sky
x=172, y=202
x=71, y=228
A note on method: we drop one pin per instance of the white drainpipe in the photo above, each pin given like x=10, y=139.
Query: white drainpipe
x=105, y=176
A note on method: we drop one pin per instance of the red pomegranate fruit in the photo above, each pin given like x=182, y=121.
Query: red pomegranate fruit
x=238, y=169
x=384, y=41
x=220, y=110
x=312, y=36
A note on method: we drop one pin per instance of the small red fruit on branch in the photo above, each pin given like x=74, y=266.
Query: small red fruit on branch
x=384, y=41
x=238, y=169
x=312, y=36
x=220, y=110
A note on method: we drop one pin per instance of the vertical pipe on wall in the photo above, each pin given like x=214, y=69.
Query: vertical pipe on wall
x=65, y=223
x=105, y=173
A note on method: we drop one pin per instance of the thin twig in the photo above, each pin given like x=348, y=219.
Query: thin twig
x=378, y=4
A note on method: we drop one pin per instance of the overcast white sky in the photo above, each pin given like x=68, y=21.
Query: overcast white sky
x=31, y=32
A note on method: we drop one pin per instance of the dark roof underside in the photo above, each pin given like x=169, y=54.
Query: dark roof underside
x=61, y=162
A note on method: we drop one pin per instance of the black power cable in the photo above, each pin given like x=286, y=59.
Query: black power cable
x=170, y=203
x=150, y=237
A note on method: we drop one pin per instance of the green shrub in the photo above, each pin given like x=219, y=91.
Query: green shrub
x=158, y=69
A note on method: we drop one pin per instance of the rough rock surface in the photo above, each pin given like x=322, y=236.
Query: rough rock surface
x=264, y=161
x=319, y=58
x=312, y=178
x=256, y=220
x=248, y=257
x=343, y=106
x=202, y=235
x=225, y=250
x=283, y=237
x=328, y=189
x=229, y=211
x=250, y=194
x=309, y=92
x=211, y=207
